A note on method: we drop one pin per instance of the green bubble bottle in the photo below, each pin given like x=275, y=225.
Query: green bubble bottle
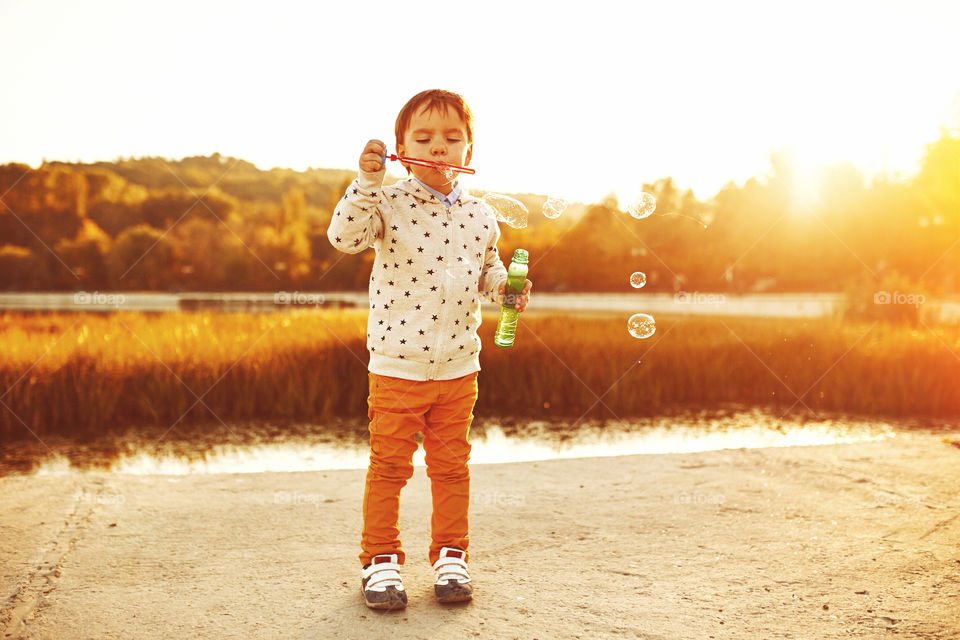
x=516, y=281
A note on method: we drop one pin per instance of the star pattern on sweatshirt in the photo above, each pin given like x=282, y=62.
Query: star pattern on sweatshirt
x=412, y=275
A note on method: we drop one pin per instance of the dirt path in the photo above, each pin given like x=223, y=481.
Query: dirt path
x=833, y=541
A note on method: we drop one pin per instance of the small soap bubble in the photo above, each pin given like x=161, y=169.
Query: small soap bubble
x=508, y=210
x=553, y=207
x=459, y=268
x=645, y=205
x=638, y=279
x=641, y=325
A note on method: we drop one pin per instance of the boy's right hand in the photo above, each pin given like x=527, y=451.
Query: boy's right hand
x=371, y=160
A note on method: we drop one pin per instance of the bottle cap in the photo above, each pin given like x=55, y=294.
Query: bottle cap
x=520, y=256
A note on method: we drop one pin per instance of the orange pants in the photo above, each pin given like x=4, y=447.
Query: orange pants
x=398, y=409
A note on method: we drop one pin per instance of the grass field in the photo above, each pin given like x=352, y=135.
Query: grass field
x=81, y=375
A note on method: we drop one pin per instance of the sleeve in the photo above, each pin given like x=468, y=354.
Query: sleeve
x=493, y=272
x=357, y=221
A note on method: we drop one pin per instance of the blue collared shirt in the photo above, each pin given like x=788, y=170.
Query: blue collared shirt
x=447, y=200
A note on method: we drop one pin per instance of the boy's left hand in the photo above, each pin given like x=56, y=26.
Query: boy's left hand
x=521, y=300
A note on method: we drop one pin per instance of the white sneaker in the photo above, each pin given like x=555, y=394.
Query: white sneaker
x=382, y=586
x=453, y=580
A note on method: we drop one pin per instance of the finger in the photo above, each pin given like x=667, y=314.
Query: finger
x=372, y=161
x=372, y=153
x=376, y=145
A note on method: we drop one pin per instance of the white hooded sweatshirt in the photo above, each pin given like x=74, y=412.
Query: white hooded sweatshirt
x=432, y=266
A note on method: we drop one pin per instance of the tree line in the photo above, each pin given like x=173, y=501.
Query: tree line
x=218, y=223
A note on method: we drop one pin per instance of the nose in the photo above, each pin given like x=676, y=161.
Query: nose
x=439, y=148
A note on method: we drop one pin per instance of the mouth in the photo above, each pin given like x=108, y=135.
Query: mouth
x=443, y=172
x=437, y=165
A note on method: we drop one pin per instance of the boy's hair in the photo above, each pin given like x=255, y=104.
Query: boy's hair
x=434, y=99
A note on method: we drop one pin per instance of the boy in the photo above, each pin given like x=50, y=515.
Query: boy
x=436, y=254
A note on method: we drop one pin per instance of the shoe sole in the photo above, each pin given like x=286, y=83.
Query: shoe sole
x=460, y=594
x=387, y=606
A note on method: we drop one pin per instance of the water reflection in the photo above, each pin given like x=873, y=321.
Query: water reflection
x=494, y=443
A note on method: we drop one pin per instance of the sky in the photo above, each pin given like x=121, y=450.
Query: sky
x=577, y=101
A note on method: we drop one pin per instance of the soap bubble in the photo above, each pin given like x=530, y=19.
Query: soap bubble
x=683, y=215
x=507, y=209
x=459, y=268
x=553, y=207
x=645, y=205
x=641, y=325
x=638, y=279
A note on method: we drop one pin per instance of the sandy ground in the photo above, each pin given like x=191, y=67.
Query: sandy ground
x=832, y=541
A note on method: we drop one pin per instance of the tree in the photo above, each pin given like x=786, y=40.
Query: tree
x=142, y=258
x=86, y=257
x=20, y=269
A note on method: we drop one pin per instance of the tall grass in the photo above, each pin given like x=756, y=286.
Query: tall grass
x=87, y=374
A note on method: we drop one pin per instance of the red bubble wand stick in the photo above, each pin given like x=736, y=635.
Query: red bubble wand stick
x=433, y=164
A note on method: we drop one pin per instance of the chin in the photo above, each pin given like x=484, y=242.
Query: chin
x=434, y=180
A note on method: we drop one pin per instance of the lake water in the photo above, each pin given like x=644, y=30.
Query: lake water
x=684, y=303
x=533, y=441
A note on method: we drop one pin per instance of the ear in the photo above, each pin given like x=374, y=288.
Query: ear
x=466, y=162
x=401, y=151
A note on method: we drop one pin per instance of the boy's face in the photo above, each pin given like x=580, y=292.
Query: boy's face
x=436, y=135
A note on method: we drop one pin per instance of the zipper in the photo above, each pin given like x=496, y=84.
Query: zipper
x=442, y=316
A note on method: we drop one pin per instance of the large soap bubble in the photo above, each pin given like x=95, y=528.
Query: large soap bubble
x=508, y=210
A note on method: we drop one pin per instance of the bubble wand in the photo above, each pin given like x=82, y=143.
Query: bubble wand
x=433, y=164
